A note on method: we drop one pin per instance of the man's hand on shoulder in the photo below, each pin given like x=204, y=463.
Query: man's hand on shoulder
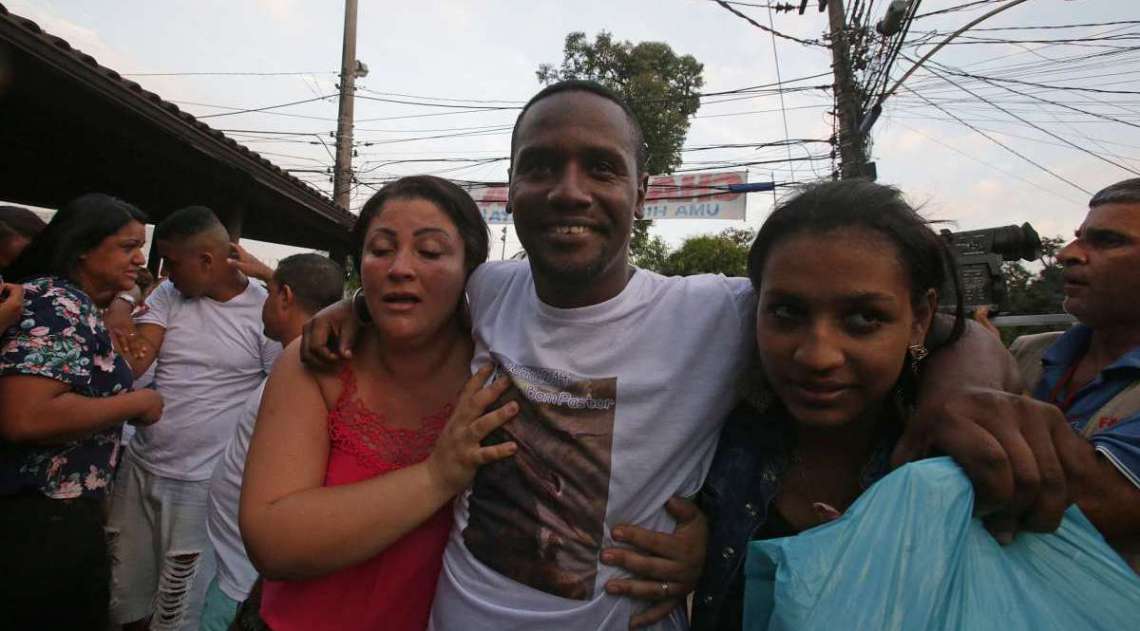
x=1008, y=446
x=971, y=408
x=327, y=339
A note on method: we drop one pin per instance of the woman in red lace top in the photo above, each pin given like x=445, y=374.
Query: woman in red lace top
x=350, y=476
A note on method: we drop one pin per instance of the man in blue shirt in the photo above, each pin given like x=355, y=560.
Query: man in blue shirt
x=1092, y=371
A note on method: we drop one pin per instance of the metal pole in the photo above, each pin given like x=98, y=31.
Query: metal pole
x=852, y=147
x=342, y=169
x=1047, y=319
x=503, y=255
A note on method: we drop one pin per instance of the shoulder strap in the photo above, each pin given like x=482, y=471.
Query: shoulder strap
x=1126, y=403
x=1028, y=350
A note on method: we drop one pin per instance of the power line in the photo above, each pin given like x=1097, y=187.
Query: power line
x=929, y=116
x=458, y=106
x=267, y=107
x=780, y=85
x=959, y=73
x=267, y=131
x=441, y=98
x=991, y=165
x=883, y=74
x=1051, y=102
x=1037, y=127
x=728, y=7
x=751, y=112
x=432, y=115
x=462, y=103
x=997, y=142
x=222, y=74
x=960, y=7
x=1047, y=27
x=968, y=40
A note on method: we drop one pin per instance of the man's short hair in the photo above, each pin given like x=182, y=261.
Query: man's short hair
x=1123, y=192
x=187, y=222
x=641, y=150
x=316, y=281
x=22, y=221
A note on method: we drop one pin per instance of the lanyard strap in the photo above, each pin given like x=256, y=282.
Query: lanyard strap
x=1063, y=386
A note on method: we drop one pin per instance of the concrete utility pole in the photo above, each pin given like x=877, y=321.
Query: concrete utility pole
x=852, y=142
x=342, y=169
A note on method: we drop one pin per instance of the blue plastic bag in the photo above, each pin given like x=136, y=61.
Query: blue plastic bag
x=908, y=555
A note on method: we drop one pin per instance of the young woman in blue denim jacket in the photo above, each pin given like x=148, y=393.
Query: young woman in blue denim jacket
x=847, y=275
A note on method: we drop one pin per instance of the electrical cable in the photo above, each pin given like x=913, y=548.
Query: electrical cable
x=960, y=7
x=221, y=74
x=267, y=107
x=998, y=142
x=1037, y=127
x=760, y=26
x=780, y=85
x=1049, y=101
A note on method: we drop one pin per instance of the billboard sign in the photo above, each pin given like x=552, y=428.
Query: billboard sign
x=714, y=195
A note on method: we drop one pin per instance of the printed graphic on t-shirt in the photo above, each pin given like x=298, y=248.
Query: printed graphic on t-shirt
x=538, y=517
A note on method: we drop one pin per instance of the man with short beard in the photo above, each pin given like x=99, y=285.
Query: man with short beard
x=623, y=378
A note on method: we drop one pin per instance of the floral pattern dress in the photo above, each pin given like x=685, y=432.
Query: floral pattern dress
x=61, y=336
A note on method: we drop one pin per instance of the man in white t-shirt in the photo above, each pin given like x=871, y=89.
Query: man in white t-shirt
x=623, y=377
x=301, y=285
x=203, y=333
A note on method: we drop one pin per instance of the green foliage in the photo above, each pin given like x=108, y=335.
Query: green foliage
x=1031, y=293
x=661, y=88
x=1036, y=293
x=725, y=253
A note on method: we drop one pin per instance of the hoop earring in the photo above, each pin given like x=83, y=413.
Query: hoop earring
x=918, y=352
x=360, y=307
x=465, y=312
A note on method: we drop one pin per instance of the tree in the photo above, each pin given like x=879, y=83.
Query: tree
x=1031, y=293
x=725, y=253
x=1036, y=293
x=652, y=254
x=662, y=89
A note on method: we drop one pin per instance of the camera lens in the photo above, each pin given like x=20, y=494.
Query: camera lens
x=1017, y=242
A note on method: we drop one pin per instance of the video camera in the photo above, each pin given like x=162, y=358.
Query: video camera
x=979, y=255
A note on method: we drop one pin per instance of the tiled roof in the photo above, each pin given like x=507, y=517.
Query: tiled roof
x=56, y=46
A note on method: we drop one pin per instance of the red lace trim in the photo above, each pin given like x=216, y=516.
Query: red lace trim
x=356, y=429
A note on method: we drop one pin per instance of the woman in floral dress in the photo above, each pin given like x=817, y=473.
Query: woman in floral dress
x=64, y=395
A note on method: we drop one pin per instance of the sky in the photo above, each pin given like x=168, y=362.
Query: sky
x=471, y=53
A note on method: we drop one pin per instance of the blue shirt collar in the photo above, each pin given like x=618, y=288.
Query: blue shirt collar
x=1069, y=348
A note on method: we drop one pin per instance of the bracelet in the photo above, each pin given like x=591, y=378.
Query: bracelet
x=360, y=306
x=127, y=298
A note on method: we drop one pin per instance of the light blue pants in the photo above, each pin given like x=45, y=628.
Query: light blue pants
x=219, y=610
x=161, y=558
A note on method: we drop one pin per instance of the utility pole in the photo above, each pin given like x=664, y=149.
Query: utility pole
x=852, y=142
x=342, y=169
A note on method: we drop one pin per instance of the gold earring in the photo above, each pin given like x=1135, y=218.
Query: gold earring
x=918, y=352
